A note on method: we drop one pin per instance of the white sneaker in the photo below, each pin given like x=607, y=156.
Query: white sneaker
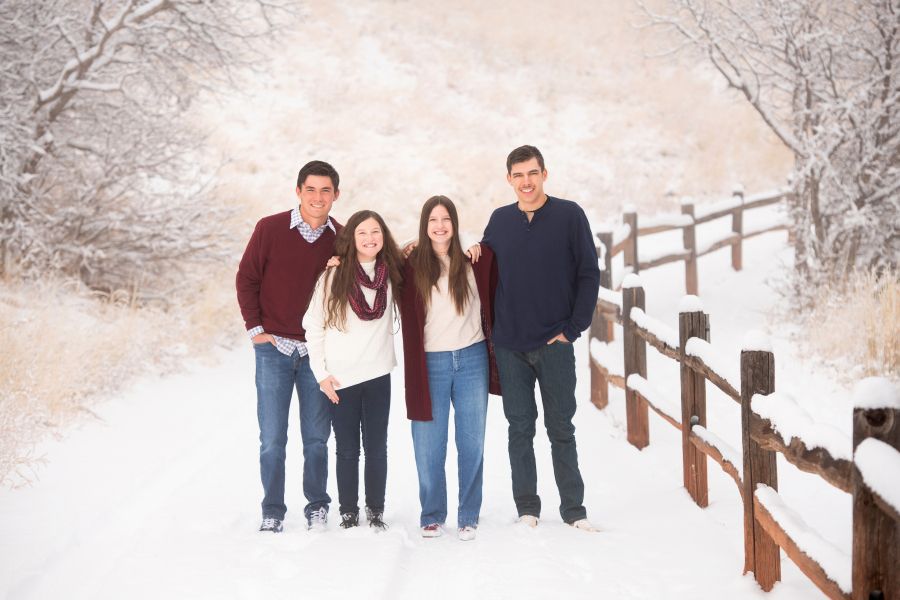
x=529, y=520
x=466, y=534
x=432, y=530
x=584, y=525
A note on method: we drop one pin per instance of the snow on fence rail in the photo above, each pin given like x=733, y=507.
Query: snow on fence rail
x=624, y=237
x=771, y=422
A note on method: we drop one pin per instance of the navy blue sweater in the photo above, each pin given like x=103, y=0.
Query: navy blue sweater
x=548, y=274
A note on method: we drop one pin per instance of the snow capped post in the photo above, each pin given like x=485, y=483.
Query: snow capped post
x=690, y=244
x=630, y=259
x=692, y=322
x=761, y=553
x=737, y=227
x=876, y=489
x=638, y=424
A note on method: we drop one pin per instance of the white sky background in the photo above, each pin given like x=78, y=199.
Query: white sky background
x=411, y=99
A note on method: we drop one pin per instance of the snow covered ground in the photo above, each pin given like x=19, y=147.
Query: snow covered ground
x=159, y=498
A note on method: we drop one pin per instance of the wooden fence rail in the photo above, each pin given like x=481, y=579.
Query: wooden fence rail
x=873, y=570
x=625, y=238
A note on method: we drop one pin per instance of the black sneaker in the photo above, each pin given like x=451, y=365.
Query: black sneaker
x=271, y=524
x=375, y=519
x=349, y=520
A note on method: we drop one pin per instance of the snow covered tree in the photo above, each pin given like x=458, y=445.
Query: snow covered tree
x=99, y=177
x=825, y=77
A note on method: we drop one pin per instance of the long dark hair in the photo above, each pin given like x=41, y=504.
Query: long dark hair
x=427, y=266
x=343, y=277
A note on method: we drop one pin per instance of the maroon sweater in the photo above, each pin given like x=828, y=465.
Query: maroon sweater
x=278, y=274
x=412, y=313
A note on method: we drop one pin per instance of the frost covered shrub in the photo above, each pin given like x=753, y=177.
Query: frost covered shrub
x=99, y=175
x=824, y=77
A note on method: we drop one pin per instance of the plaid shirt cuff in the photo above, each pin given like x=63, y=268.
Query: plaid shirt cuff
x=255, y=331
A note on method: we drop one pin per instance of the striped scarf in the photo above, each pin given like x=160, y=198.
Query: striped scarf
x=358, y=301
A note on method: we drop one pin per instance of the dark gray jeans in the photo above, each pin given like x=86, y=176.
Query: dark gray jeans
x=553, y=367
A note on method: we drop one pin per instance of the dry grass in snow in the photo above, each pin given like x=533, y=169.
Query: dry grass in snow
x=62, y=349
x=856, y=326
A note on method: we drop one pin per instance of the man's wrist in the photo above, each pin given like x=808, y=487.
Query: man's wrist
x=255, y=331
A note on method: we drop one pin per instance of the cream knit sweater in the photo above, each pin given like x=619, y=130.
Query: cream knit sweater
x=364, y=350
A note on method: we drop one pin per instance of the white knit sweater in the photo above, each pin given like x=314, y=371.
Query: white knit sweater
x=363, y=350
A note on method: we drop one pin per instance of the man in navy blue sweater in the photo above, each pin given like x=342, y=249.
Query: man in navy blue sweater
x=546, y=293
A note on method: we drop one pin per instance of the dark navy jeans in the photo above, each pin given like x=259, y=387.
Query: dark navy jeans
x=364, y=407
x=276, y=377
x=553, y=367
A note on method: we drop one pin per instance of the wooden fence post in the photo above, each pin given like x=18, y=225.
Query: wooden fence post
x=599, y=387
x=876, y=536
x=631, y=248
x=601, y=328
x=693, y=408
x=638, y=424
x=691, y=286
x=737, y=226
x=604, y=330
x=761, y=553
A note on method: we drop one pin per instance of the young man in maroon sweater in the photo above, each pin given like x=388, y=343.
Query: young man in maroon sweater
x=275, y=281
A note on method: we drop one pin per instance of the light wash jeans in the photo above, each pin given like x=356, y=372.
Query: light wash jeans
x=458, y=377
x=276, y=377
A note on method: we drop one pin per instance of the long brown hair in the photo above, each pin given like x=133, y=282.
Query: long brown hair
x=343, y=276
x=427, y=266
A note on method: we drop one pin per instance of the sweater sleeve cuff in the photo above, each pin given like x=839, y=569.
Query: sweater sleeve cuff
x=571, y=333
x=319, y=371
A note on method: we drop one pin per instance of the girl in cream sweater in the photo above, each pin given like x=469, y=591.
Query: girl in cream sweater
x=349, y=333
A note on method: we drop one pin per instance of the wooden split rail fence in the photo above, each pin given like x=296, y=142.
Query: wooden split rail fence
x=624, y=239
x=874, y=567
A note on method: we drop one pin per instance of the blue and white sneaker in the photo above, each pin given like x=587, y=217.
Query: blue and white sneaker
x=317, y=520
x=271, y=524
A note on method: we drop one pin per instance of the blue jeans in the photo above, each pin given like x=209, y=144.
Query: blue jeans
x=553, y=367
x=276, y=377
x=459, y=377
x=363, y=407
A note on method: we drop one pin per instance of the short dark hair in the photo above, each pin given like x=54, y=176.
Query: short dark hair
x=318, y=167
x=522, y=154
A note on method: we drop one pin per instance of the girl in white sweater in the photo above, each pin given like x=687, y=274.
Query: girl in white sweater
x=351, y=352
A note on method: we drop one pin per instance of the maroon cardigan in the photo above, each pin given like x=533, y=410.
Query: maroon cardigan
x=412, y=313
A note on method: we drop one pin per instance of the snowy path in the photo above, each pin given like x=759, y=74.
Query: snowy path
x=160, y=499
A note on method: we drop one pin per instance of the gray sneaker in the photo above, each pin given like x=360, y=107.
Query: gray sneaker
x=271, y=524
x=317, y=520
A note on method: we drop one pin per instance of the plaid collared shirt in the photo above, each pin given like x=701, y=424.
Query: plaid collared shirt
x=286, y=345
